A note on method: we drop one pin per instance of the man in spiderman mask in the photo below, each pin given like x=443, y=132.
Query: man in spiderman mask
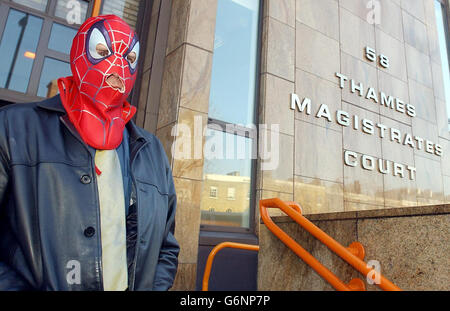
x=87, y=200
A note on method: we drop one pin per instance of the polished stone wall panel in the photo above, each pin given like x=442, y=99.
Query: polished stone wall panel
x=304, y=44
x=405, y=34
x=322, y=16
x=412, y=252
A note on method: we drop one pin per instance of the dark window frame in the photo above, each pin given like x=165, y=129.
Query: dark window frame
x=42, y=50
x=215, y=234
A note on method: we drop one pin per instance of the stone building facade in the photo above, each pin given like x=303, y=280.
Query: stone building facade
x=369, y=161
x=349, y=98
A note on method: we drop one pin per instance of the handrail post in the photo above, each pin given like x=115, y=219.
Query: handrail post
x=353, y=255
x=303, y=254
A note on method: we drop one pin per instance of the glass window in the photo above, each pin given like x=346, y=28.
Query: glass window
x=61, y=38
x=125, y=9
x=231, y=194
x=212, y=193
x=443, y=42
x=40, y=5
x=231, y=137
x=228, y=173
x=35, y=47
x=18, y=50
x=52, y=70
x=234, y=62
x=73, y=11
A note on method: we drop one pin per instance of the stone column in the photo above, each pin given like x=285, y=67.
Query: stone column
x=183, y=110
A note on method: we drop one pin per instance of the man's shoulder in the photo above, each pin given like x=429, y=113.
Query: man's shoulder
x=153, y=142
x=151, y=138
x=18, y=108
x=18, y=115
x=31, y=109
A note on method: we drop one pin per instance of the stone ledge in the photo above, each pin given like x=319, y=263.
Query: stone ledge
x=381, y=213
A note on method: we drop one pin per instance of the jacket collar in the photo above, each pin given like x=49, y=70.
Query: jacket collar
x=55, y=104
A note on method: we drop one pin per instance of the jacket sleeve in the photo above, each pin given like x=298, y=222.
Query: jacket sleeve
x=4, y=166
x=9, y=279
x=168, y=256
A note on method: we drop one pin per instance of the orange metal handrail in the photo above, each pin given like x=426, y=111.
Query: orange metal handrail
x=353, y=255
x=96, y=8
x=214, y=252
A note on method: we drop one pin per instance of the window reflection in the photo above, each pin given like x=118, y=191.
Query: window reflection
x=234, y=62
x=441, y=17
x=72, y=11
x=227, y=177
x=52, y=70
x=125, y=9
x=40, y=5
x=61, y=38
x=18, y=50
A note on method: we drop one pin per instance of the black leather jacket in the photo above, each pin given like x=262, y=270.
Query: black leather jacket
x=49, y=210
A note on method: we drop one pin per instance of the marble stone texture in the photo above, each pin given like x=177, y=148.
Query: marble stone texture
x=393, y=150
x=363, y=186
x=279, y=269
x=429, y=181
x=278, y=49
x=318, y=196
x=178, y=24
x=202, y=22
x=422, y=98
x=185, y=278
x=429, y=132
x=413, y=253
x=310, y=160
x=418, y=65
x=391, y=19
x=414, y=7
x=281, y=178
x=182, y=117
x=281, y=10
x=356, y=7
x=320, y=92
x=361, y=72
x=357, y=140
x=392, y=86
x=442, y=119
x=304, y=43
x=319, y=15
x=188, y=149
x=171, y=87
x=395, y=50
x=316, y=53
x=415, y=33
x=355, y=34
x=188, y=218
x=275, y=99
x=196, y=79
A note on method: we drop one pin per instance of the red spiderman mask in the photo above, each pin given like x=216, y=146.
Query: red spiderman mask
x=104, y=59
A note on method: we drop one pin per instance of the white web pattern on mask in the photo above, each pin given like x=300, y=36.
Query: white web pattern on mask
x=118, y=50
